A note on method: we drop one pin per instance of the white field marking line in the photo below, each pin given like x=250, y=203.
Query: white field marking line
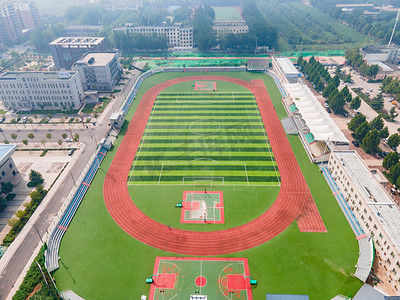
x=220, y=280
x=144, y=137
x=180, y=272
x=266, y=139
x=177, y=98
x=247, y=177
x=159, y=178
x=200, y=120
x=201, y=272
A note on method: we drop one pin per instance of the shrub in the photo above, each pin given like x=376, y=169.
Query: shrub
x=10, y=197
x=35, y=178
x=6, y=187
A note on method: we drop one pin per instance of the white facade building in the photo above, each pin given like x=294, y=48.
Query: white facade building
x=237, y=26
x=285, y=70
x=178, y=36
x=372, y=206
x=8, y=168
x=123, y=5
x=35, y=90
x=86, y=30
x=381, y=53
x=99, y=70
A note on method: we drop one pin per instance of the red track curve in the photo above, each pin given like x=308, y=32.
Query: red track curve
x=293, y=197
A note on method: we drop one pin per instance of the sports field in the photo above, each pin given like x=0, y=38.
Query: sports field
x=227, y=13
x=100, y=261
x=216, y=137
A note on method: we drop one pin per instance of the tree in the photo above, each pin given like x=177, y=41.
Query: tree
x=6, y=187
x=377, y=123
x=203, y=33
x=35, y=178
x=356, y=122
x=76, y=137
x=30, y=135
x=377, y=102
x=384, y=133
x=355, y=103
x=43, y=141
x=394, y=173
x=64, y=136
x=371, y=141
x=14, y=136
x=59, y=142
x=390, y=160
x=394, y=141
x=49, y=136
x=362, y=131
x=337, y=103
x=6, y=141
x=336, y=80
x=25, y=142
x=328, y=90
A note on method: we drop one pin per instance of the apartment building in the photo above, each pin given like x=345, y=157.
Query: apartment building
x=178, y=36
x=15, y=19
x=67, y=50
x=99, y=71
x=372, y=206
x=36, y=90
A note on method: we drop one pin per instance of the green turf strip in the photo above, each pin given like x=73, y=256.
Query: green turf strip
x=167, y=167
x=216, y=157
x=205, y=148
x=208, y=114
x=227, y=179
x=206, y=104
x=205, y=93
x=201, y=162
x=203, y=133
x=233, y=120
x=202, y=145
x=201, y=173
x=204, y=108
x=203, y=140
x=198, y=125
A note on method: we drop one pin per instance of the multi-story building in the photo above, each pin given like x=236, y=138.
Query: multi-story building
x=67, y=50
x=373, y=207
x=28, y=15
x=15, y=18
x=99, y=71
x=87, y=30
x=372, y=54
x=178, y=36
x=8, y=168
x=123, y=5
x=35, y=90
x=285, y=70
x=10, y=26
x=238, y=26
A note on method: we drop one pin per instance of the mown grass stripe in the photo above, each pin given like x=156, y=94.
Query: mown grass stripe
x=226, y=178
x=202, y=162
x=200, y=173
x=214, y=167
x=197, y=127
x=206, y=156
x=190, y=144
x=188, y=133
x=208, y=114
x=203, y=108
x=204, y=148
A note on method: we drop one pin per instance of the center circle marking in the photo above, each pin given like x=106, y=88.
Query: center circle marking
x=201, y=281
x=214, y=127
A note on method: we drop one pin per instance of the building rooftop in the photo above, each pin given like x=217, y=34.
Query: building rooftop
x=46, y=75
x=287, y=66
x=84, y=27
x=379, y=48
x=378, y=200
x=96, y=59
x=77, y=41
x=6, y=150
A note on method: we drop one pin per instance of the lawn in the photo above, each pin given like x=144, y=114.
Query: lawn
x=227, y=13
x=100, y=261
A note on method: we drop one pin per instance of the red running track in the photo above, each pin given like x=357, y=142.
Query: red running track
x=294, y=200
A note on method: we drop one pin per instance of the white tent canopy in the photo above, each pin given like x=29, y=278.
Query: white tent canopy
x=316, y=118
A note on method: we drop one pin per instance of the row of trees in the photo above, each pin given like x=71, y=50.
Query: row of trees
x=379, y=26
x=369, y=134
x=49, y=136
x=129, y=42
x=391, y=86
x=392, y=163
x=203, y=33
x=355, y=59
x=322, y=81
x=6, y=194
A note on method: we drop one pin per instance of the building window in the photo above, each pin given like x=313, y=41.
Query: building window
x=10, y=165
x=14, y=173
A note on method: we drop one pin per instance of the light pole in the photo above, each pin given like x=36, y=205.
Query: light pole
x=34, y=225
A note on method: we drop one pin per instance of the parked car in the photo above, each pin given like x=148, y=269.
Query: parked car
x=68, y=140
x=352, y=115
x=328, y=110
x=326, y=105
x=70, y=152
x=355, y=143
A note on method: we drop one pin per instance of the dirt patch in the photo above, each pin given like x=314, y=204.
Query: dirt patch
x=35, y=290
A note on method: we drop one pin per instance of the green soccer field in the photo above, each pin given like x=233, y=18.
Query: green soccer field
x=194, y=137
x=100, y=261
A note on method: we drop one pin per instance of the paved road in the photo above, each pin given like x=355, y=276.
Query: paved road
x=25, y=251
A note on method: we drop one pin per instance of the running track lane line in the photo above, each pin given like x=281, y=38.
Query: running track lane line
x=294, y=194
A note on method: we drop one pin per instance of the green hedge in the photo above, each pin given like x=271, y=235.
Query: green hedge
x=33, y=278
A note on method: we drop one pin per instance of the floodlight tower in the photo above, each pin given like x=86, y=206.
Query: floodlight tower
x=394, y=28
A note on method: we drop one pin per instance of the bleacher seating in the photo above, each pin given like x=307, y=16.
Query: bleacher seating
x=53, y=244
x=309, y=137
x=319, y=148
x=293, y=108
